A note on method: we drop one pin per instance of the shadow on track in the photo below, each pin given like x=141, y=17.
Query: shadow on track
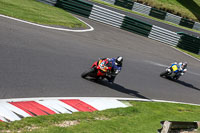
x=119, y=88
x=184, y=84
x=187, y=85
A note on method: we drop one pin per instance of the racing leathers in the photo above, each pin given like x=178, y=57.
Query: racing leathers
x=180, y=69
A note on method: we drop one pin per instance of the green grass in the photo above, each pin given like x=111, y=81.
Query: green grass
x=185, y=8
x=37, y=12
x=190, y=53
x=147, y=16
x=142, y=117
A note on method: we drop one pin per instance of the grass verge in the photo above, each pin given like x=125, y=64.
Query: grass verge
x=37, y=12
x=147, y=16
x=142, y=117
x=184, y=8
x=190, y=53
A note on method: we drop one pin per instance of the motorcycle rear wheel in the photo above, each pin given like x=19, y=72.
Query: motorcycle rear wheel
x=87, y=73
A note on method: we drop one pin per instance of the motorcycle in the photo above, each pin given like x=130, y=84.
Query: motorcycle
x=100, y=69
x=171, y=72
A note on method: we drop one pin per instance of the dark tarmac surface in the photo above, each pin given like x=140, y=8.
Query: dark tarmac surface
x=38, y=62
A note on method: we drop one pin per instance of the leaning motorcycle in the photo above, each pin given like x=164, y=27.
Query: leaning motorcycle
x=171, y=72
x=99, y=70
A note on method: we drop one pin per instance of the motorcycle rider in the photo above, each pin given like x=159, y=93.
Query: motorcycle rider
x=181, y=68
x=116, y=64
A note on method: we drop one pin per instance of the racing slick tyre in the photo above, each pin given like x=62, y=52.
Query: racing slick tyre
x=87, y=73
x=176, y=77
x=163, y=74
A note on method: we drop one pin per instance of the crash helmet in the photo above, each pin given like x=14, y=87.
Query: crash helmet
x=119, y=60
x=180, y=64
x=184, y=65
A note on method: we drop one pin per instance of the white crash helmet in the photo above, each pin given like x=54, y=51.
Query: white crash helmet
x=119, y=60
x=184, y=65
x=180, y=63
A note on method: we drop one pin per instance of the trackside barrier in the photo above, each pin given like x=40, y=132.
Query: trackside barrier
x=116, y=19
x=173, y=18
x=141, y=8
x=196, y=26
x=136, y=26
x=157, y=13
x=128, y=4
x=106, y=16
x=109, y=1
x=76, y=6
x=177, y=127
x=144, y=9
x=189, y=43
x=163, y=35
x=186, y=23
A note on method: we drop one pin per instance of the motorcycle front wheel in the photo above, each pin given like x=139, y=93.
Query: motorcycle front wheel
x=176, y=77
x=163, y=74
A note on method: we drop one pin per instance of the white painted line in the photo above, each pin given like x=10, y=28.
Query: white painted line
x=155, y=63
x=162, y=65
x=186, y=54
x=92, y=98
x=164, y=101
x=102, y=104
x=49, y=27
x=154, y=100
x=35, y=99
x=13, y=108
x=6, y=113
x=57, y=106
x=197, y=74
x=2, y=119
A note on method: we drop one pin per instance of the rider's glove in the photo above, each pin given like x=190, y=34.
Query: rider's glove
x=117, y=71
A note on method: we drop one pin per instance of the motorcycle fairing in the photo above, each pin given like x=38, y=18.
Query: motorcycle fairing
x=174, y=68
x=102, y=67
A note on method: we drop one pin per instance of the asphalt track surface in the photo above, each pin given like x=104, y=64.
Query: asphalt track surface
x=39, y=62
x=148, y=20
